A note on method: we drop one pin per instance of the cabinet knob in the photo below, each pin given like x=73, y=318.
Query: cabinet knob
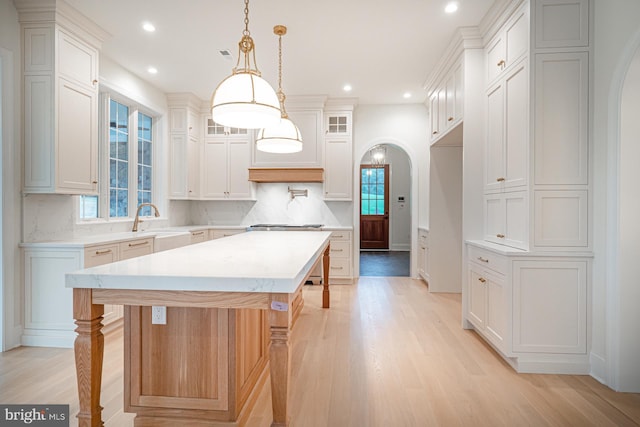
x=94, y=182
x=434, y=132
x=501, y=63
x=482, y=280
x=95, y=82
x=500, y=236
x=501, y=179
x=450, y=119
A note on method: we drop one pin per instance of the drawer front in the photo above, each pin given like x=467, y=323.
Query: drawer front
x=199, y=236
x=340, y=267
x=99, y=255
x=488, y=259
x=340, y=249
x=218, y=234
x=136, y=248
x=340, y=235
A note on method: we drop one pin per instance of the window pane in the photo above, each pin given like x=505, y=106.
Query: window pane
x=145, y=162
x=88, y=207
x=119, y=159
x=379, y=207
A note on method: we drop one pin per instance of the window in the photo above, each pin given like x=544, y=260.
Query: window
x=126, y=163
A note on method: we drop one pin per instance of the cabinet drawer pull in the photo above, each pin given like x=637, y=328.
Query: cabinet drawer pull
x=501, y=63
x=501, y=179
x=103, y=252
x=481, y=279
x=133, y=245
x=198, y=233
x=337, y=236
x=450, y=119
x=500, y=236
x=94, y=182
x=435, y=132
x=336, y=250
x=336, y=268
x=483, y=259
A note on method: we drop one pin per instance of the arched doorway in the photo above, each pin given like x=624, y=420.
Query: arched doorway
x=384, y=211
x=623, y=315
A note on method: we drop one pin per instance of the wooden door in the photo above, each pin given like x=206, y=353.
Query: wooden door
x=374, y=207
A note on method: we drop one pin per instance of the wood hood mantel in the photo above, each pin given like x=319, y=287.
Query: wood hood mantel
x=286, y=174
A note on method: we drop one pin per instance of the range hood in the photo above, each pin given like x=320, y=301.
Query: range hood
x=286, y=174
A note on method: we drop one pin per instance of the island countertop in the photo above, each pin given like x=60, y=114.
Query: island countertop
x=257, y=261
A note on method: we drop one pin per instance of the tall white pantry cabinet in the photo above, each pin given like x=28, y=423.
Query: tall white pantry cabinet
x=527, y=287
x=60, y=99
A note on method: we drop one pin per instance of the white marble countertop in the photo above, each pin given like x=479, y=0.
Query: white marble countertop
x=515, y=252
x=260, y=261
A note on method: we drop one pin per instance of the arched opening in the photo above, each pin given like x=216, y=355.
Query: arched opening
x=628, y=235
x=396, y=256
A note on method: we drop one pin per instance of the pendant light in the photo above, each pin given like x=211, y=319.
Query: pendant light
x=378, y=155
x=283, y=137
x=244, y=99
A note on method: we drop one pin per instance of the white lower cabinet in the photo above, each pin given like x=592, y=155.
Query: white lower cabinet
x=219, y=233
x=341, y=261
x=423, y=254
x=49, y=303
x=531, y=308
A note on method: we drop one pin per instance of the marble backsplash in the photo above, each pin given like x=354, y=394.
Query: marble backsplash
x=49, y=217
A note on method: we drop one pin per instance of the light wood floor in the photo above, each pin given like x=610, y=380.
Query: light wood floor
x=388, y=353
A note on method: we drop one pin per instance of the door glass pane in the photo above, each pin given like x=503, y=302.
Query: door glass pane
x=372, y=191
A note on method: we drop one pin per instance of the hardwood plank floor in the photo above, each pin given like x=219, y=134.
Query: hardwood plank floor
x=388, y=353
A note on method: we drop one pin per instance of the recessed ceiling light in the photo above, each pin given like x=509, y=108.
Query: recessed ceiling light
x=347, y=88
x=152, y=70
x=451, y=7
x=406, y=95
x=149, y=27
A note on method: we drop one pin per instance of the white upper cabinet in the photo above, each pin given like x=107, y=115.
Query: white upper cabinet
x=338, y=153
x=446, y=101
x=185, y=146
x=60, y=109
x=509, y=45
x=225, y=164
x=562, y=24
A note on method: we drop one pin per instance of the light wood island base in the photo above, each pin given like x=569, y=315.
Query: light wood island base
x=205, y=366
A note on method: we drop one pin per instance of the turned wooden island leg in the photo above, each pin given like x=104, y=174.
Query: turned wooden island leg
x=325, y=277
x=89, y=352
x=280, y=357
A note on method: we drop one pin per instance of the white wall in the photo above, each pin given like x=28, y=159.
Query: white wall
x=404, y=126
x=617, y=36
x=11, y=175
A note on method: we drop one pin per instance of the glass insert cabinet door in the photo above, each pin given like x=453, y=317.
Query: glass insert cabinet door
x=374, y=207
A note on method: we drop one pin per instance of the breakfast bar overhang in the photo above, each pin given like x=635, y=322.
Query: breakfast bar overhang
x=254, y=270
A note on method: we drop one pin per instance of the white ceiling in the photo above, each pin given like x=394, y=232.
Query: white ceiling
x=383, y=48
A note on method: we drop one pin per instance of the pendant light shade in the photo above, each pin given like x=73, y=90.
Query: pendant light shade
x=283, y=137
x=245, y=100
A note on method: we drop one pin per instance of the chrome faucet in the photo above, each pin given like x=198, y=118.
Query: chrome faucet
x=138, y=220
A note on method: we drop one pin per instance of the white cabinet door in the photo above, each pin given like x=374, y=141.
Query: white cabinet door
x=494, y=148
x=497, y=309
x=178, y=166
x=516, y=122
x=214, y=167
x=239, y=187
x=77, y=135
x=506, y=219
x=194, y=155
x=477, y=303
x=550, y=307
x=338, y=169
x=433, y=111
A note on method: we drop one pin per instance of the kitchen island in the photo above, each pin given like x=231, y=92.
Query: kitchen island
x=188, y=372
